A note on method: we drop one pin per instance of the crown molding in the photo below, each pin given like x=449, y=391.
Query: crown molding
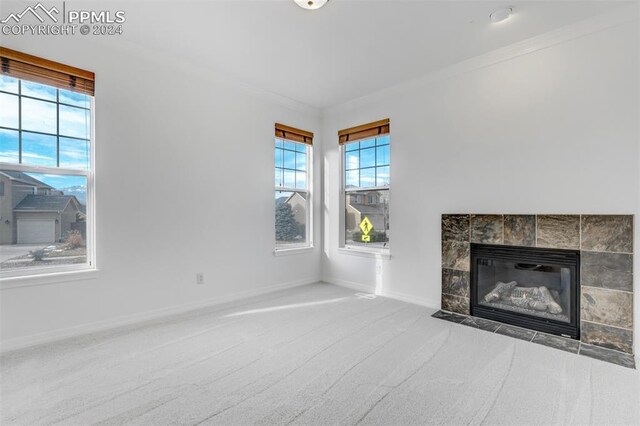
x=525, y=47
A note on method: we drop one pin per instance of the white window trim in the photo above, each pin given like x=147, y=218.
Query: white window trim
x=308, y=244
x=383, y=253
x=343, y=247
x=38, y=276
x=292, y=250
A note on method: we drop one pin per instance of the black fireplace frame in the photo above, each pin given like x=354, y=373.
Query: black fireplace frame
x=535, y=255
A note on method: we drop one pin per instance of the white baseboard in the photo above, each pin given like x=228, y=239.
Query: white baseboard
x=403, y=297
x=75, y=331
x=350, y=284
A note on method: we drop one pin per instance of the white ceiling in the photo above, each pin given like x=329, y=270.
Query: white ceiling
x=345, y=50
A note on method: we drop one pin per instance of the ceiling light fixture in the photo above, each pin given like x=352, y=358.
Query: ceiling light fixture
x=311, y=4
x=501, y=15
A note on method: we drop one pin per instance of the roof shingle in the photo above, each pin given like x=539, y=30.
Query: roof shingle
x=48, y=203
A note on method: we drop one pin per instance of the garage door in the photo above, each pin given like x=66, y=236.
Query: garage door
x=36, y=231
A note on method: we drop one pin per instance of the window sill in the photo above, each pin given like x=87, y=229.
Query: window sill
x=362, y=252
x=46, y=279
x=292, y=250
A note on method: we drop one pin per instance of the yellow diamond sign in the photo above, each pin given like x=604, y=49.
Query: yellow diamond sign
x=366, y=226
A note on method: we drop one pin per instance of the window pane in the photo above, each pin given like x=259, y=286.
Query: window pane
x=8, y=110
x=39, y=150
x=289, y=178
x=352, y=160
x=382, y=140
x=289, y=160
x=368, y=157
x=371, y=209
x=9, y=146
x=8, y=84
x=74, y=98
x=352, y=146
x=382, y=176
x=367, y=143
x=291, y=206
x=352, y=178
x=37, y=90
x=301, y=161
x=382, y=155
x=74, y=153
x=290, y=219
x=367, y=177
x=74, y=122
x=48, y=225
x=301, y=180
x=38, y=116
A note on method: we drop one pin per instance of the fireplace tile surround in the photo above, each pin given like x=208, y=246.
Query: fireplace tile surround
x=606, y=250
x=556, y=342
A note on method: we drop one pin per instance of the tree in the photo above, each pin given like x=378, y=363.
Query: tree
x=286, y=225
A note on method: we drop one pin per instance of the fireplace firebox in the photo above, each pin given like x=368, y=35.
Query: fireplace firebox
x=535, y=288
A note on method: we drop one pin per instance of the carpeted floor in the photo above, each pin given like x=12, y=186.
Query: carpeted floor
x=316, y=354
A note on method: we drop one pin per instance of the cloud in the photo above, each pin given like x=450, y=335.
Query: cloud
x=8, y=84
x=74, y=98
x=38, y=90
x=8, y=110
x=60, y=181
x=39, y=116
x=33, y=155
x=74, y=122
x=8, y=156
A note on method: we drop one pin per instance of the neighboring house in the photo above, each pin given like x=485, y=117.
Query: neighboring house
x=371, y=205
x=34, y=212
x=299, y=206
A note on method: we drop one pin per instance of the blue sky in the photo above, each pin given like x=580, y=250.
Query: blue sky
x=61, y=181
x=39, y=115
x=291, y=164
x=367, y=162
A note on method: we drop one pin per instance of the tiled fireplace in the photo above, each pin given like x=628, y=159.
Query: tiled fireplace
x=600, y=247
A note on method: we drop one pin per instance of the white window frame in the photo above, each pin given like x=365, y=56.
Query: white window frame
x=55, y=271
x=308, y=243
x=343, y=246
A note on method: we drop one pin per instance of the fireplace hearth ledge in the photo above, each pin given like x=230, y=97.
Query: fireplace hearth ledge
x=556, y=342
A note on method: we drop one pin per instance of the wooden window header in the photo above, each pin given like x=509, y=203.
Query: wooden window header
x=364, y=131
x=293, y=134
x=21, y=65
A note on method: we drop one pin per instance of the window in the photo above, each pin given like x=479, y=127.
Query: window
x=366, y=162
x=292, y=187
x=46, y=171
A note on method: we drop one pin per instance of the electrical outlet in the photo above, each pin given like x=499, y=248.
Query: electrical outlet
x=199, y=278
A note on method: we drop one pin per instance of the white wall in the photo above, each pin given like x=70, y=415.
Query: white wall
x=184, y=185
x=552, y=131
